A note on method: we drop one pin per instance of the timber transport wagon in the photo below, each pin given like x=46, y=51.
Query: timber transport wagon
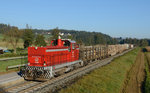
x=90, y=53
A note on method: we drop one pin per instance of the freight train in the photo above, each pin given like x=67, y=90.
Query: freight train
x=64, y=55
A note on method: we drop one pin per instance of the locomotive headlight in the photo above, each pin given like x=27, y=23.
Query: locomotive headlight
x=28, y=63
x=44, y=64
x=36, y=47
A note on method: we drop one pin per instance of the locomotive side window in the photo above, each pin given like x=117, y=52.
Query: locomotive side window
x=73, y=46
x=54, y=43
x=66, y=43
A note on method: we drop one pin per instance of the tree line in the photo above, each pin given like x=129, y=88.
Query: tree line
x=137, y=42
x=13, y=35
x=35, y=37
x=84, y=37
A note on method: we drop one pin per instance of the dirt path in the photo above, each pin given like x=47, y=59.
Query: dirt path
x=135, y=77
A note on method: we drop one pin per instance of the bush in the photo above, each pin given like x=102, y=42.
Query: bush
x=12, y=55
x=19, y=49
x=11, y=50
x=8, y=55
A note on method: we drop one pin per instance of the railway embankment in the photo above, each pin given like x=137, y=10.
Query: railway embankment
x=107, y=79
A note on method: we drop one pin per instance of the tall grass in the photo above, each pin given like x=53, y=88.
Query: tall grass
x=147, y=82
x=107, y=79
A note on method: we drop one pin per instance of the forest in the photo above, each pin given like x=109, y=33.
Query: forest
x=82, y=37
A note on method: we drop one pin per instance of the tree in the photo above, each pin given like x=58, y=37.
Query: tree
x=79, y=42
x=98, y=38
x=4, y=27
x=12, y=36
x=28, y=37
x=40, y=40
x=55, y=33
x=114, y=41
x=69, y=36
x=144, y=43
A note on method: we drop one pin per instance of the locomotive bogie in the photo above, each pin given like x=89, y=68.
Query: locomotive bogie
x=44, y=73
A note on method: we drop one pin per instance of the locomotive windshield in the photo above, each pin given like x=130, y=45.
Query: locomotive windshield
x=65, y=43
x=55, y=43
x=73, y=46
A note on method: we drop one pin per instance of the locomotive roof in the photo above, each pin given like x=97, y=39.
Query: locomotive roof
x=72, y=41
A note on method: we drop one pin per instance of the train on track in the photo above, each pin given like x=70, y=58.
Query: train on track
x=64, y=55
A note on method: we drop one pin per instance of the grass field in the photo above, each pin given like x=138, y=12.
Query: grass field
x=4, y=64
x=9, y=46
x=107, y=79
x=1, y=36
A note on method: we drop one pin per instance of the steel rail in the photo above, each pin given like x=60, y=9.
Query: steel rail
x=19, y=87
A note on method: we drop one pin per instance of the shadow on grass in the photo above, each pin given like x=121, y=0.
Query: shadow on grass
x=144, y=50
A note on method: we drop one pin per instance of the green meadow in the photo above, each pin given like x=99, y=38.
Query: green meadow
x=106, y=79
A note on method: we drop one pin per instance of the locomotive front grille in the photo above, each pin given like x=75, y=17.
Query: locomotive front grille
x=35, y=73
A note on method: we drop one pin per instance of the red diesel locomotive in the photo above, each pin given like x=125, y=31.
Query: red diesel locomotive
x=45, y=62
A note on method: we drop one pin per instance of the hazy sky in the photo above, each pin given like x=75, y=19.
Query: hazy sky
x=125, y=18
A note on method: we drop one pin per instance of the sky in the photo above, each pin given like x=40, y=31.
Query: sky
x=117, y=18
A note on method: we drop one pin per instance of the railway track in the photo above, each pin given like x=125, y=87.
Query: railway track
x=21, y=86
x=59, y=82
